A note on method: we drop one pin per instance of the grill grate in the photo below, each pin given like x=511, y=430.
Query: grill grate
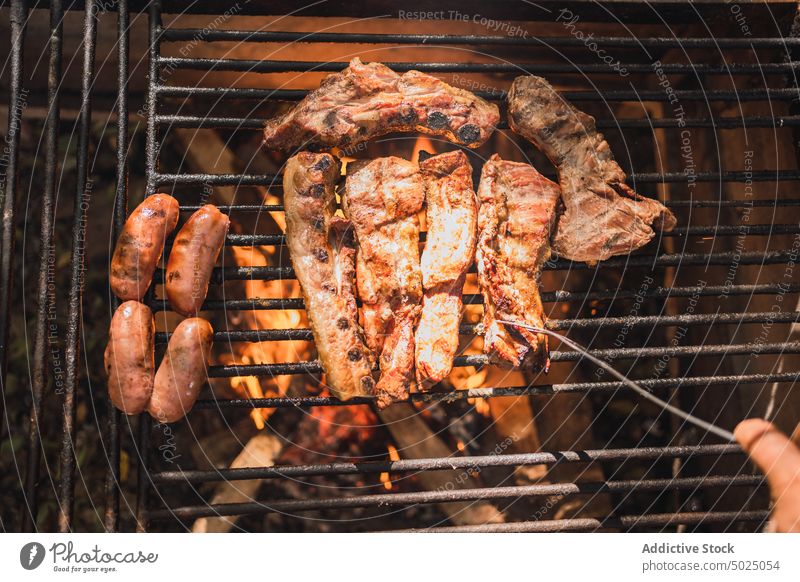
x=773, y=73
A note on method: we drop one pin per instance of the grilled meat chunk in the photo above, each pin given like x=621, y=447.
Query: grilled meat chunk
x=515, y=221
x=452, y=212
x=322, y=249
x=367, y=100
x=382, y=199
x=603, y=216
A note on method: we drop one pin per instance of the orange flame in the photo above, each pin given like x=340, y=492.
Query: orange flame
x=393, y=456
x=422, y=144
x=270, y=352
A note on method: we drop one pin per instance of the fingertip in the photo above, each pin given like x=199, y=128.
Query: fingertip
x=749, y=431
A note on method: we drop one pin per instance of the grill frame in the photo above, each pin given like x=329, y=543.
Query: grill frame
x=155, y=179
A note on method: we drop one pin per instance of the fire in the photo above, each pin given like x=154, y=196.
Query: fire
x=270, y=352
x=393, y=456
x=422, y=144
x=252, y=387
x=344, y=159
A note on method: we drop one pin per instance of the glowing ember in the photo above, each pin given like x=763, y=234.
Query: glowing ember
x=342, y=423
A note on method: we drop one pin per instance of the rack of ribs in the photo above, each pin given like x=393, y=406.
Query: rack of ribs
x=368, y=100
x=452, y=211
x=322, y=249
x=516, y=218
x=382, y=199
x=603, y=216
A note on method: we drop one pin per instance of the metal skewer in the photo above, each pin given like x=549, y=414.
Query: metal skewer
x=720, y=432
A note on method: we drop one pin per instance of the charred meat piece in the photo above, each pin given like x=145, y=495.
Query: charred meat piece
x=367, y=100
x=603, y=216
x=516, y=218
x=322, y=249
x=375, y=315
x=382, y=199
x=452, y=212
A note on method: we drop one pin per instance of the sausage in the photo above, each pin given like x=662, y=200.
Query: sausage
x=140, y=245
x=192, y=258
x=130, y=357
x=183, y=371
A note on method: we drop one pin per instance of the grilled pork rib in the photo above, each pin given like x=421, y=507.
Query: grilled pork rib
x=603, y=216
x=322, y=249
x=515, y=221
x=367, y=100
x=382, y=199
x=452, y=211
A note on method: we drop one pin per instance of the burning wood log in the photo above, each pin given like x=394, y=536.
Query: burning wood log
x=206, y=153
x=260, y=451
x=416, y=440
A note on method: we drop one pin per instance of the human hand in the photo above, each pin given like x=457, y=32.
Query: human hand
x=779, y=459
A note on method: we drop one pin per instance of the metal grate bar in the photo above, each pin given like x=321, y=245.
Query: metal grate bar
x=666, y=292
x=314, y=367
x=547, y=296
x=444, y=463
x=767, y=94
x=74, y=315
x=177, y=34
x=259, y=208
x=151, y=148
x=240, y=240
x=624, y=523
x=275, y=180
x=663, y=260
x=474, y=494
x=18, y=15
x=305, y=334
x=257, y=123
x=453, y=396
x=270, y=66
x=47, y=218
x=112, y=433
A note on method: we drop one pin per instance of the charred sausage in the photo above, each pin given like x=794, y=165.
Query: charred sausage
x=192, y=258
x=183, y=371
x=129, y=357
x=140, y=245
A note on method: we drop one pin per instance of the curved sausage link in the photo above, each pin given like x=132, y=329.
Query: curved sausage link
x=140, y=245
x=192, y=259
x=183, y=371
x=130, y=357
